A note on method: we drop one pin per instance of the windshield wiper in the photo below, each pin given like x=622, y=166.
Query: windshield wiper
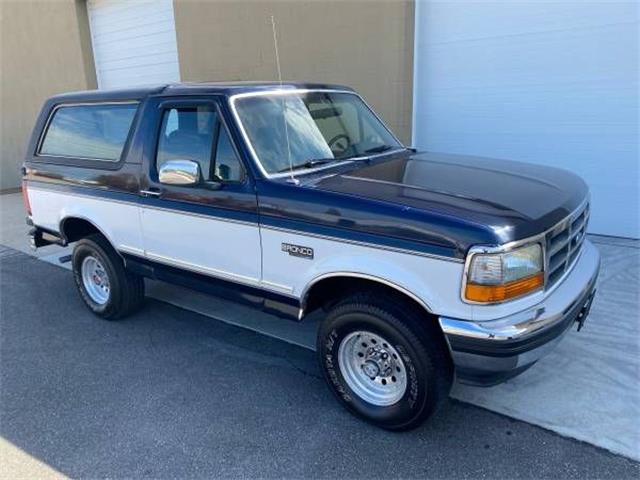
x=378, y=149
x=314, y=162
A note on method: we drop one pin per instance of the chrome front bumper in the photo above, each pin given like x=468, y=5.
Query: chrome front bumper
x=489, y=352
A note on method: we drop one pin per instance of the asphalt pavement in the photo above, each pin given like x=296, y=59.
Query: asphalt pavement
x=170, y=393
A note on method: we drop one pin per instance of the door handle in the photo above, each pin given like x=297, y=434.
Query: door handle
x=150, y=193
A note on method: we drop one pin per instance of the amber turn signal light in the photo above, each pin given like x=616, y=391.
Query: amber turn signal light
x=499, y=293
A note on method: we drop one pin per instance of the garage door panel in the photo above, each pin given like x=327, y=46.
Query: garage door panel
x=150, y=70
x=139, y=54
x=151, y=45
x=134, y=43
x=131, y=29
x=151, y=15
x=117, y=78
x=115, y=7
x=136, y=60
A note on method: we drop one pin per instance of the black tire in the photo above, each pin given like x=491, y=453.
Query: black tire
x=126, y=293
x=412, y=334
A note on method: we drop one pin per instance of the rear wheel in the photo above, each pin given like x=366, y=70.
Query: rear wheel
x=384, y=361
x=105, y=286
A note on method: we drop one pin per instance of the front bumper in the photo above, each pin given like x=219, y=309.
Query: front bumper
x=489, y=352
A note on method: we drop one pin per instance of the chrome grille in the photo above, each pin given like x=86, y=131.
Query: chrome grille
x=563, y=244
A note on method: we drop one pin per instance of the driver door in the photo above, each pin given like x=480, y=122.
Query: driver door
x=210, y=227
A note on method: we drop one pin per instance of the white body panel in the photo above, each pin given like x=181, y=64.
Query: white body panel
x=435, y=282
x=118, y=221
x=225, y=249
x=134, y=43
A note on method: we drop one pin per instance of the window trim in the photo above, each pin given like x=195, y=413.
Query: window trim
x=87, y=162
x=298, y=91
x=243, y=171
x=186, y=102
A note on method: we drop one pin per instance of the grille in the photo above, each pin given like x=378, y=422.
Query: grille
x=563, y=244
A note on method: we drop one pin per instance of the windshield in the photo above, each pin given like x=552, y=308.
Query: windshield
x=302, y=130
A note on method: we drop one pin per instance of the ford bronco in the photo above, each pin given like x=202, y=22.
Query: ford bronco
x=295, y=198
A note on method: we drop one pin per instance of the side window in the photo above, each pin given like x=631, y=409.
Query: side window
x=196, y=133
x=187, y=134
x=227, y=165
x=94, y=132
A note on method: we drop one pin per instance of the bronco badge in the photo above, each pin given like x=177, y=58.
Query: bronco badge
x=298, y=251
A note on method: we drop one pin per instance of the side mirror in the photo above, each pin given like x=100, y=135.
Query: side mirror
x=180, y=172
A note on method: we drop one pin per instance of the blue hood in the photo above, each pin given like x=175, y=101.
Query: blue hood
x=450, y=202
x=516, y=199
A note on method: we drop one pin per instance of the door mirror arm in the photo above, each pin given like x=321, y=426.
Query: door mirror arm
x=212, y=185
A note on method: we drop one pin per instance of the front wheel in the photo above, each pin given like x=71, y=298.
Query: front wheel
x=385, y=363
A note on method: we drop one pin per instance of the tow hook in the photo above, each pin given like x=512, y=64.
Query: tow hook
x=584, y=311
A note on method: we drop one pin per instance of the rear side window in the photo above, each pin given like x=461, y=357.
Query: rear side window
x=94, y=132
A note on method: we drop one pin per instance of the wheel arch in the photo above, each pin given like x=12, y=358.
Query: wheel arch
x=346, y=282
x=75, y=227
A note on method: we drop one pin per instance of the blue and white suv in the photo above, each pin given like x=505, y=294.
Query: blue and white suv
x=296, y=197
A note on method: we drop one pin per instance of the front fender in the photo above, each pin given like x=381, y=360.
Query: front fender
x=432, y=282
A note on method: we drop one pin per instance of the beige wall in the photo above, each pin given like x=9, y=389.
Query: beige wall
x=367, y=45
x=45, y=48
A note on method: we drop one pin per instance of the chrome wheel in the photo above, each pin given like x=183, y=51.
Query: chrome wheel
x=372, y=368
x=95, y=280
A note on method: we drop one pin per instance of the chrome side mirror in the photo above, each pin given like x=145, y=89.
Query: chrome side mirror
x=180, y=172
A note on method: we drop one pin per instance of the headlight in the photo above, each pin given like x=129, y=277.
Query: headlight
x=496, y=277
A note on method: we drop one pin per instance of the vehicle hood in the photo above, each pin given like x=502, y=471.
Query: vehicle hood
x=513, y=200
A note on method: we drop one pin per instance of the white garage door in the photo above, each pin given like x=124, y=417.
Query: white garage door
x=134, y=42
x=546, y=82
